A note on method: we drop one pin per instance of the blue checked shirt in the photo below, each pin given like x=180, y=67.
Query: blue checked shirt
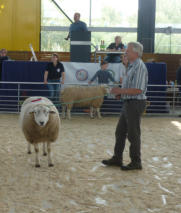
x=136, y=76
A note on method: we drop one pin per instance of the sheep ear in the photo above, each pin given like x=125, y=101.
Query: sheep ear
x=52, y=112
x=32, y=111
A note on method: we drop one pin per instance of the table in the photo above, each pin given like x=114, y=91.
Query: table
x=106, y=52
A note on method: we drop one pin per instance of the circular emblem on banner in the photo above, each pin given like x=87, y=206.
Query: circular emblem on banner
x=112, y=73
x=81, y=75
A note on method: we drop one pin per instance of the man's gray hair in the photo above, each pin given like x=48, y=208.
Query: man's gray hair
x=137, y=47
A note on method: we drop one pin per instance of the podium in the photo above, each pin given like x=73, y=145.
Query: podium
x=80, y=46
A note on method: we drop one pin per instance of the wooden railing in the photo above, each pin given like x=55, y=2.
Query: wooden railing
x=172, y=61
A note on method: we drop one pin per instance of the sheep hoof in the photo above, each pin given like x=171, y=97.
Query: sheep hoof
x=45, y=154
x=37, y=165
x=29, y=152
x=51, y=165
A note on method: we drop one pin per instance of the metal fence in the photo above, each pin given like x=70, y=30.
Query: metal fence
x=161, y=99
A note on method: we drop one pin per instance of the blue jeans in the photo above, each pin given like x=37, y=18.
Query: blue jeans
x=112, y=59
x=54, y=89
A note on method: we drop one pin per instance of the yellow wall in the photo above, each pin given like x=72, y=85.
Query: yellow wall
x=20, y=24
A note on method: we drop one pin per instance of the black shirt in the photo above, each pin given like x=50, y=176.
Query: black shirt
x=54, y=72
x=113, y=46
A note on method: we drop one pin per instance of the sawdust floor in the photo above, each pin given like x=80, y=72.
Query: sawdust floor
x=79, y=183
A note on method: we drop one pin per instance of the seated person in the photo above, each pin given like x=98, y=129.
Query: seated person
x=103, y=74
x=3, y=57
x=77, y=25
x=117, y=45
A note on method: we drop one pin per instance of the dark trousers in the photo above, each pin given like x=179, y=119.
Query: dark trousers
x=129, y=127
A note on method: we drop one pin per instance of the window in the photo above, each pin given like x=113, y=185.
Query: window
x=54, y=41
x=114, y=13
x=52, y=16
x=104, y=14
x=168, y=14
x=109, y=37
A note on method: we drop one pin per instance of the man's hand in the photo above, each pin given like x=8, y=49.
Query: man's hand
x=62, y=82
x=116, y=91
x=89, y=82
x=45, y=82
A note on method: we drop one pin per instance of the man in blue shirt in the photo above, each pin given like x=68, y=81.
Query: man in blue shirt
x=103, y=75
x=77, y=25
x=133, y=93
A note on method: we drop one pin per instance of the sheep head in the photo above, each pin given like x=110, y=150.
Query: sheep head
x=41, y=114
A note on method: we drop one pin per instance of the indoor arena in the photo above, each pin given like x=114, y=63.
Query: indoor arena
x=90, y=106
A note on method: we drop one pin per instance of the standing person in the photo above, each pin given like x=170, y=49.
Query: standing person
x=103, y=74
x=178, y=78
x=4, y=54
x=133, y=92
x=125, y=63
x=53, y=73
x=3, y=57
x=178, y=75
x=77, y=25
x=116, y=46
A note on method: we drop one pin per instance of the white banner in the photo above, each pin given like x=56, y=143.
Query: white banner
x=81, y=73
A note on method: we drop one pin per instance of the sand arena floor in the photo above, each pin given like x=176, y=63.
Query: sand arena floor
x=78, y=183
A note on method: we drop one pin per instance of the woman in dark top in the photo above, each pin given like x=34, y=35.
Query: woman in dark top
x=116, y=46
x=53, y=73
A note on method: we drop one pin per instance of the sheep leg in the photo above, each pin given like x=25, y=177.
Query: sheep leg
x=68, y=113
x=98, y=113
x=44, y=150
x=50, y=164
x=37, y=162
x=91, y=112
x=29, y=148
x=63, y=111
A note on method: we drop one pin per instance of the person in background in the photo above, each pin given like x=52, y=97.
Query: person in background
x=3, y=57
x=116, y=46
x=77, y=25
x=178, y=78
x=178, y=75
x=125, y=63
x=4, y=54
x=103, y=75
x=54, y=73
x=133, y=93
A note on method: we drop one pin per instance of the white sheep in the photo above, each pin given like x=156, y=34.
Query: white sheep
x=40, y=123
x=81, y=96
